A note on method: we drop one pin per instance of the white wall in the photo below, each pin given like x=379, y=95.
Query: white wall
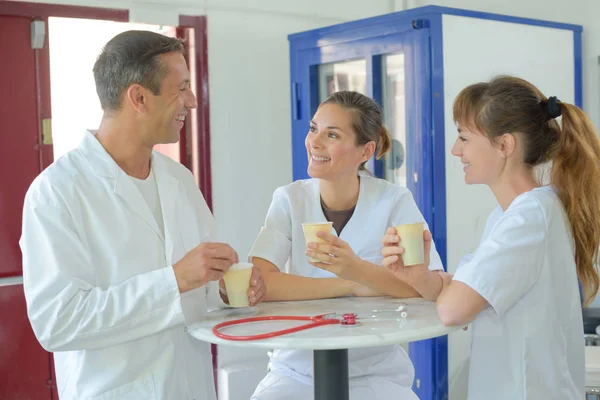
x=250, y=116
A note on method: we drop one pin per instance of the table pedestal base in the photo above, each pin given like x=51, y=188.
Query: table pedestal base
x=331, y=374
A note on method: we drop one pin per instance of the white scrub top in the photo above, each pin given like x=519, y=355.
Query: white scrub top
x=100, y=288
x=528, y=344
x=380, y=205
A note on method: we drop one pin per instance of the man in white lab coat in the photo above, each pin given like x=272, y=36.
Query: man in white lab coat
x=117, y=257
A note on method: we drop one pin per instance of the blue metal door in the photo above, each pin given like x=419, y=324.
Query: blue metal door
x=391, y=62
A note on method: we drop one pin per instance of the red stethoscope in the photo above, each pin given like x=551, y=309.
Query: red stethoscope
x=347, y=319
x=319, y=320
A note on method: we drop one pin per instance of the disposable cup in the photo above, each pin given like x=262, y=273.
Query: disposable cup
x=237, y=283
x=310, y=232
x=411, y=238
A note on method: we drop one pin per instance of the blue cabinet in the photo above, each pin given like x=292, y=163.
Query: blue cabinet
x=414, y=63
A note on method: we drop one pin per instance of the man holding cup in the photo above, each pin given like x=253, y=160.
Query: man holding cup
x=242, y=285
x=117, y=240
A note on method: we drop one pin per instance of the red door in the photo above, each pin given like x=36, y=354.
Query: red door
x=24, y=365
x=19, y=135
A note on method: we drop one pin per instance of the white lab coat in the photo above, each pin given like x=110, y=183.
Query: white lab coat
x=98, y=278
x=528, y=344
x=380, y=205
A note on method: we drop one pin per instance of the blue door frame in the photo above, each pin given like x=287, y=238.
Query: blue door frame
x=369, y=39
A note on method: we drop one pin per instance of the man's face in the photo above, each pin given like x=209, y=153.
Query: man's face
x=167, y=111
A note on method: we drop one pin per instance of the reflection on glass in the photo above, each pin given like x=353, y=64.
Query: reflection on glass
x=349, y=75
x=394, y=116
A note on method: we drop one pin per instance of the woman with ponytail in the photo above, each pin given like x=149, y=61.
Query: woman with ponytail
x=343, y=135
x=520, y=287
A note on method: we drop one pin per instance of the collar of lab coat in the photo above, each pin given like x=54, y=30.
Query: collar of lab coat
x=104, y=166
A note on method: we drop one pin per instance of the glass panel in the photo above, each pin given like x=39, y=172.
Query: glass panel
x=394, y=116
x=348, y=75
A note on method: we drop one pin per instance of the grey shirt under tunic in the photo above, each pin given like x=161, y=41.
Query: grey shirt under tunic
x=339, y=217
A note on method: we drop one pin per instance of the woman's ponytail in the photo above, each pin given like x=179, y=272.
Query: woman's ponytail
x=576, y=178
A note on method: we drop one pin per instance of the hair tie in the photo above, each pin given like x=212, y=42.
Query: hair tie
x=553, y=105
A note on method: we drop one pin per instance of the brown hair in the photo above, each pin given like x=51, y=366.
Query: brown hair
x=367, y=120
x=512, y=105
x=131, y=57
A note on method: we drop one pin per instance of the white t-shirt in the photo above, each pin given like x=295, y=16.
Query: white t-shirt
x=528, y=344
x=380, y=205
x=149, y=191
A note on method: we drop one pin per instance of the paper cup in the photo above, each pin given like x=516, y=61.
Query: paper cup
x=237, y=283
x=310, y=230
x=411, y=238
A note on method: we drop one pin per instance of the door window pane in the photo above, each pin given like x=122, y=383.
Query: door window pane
x=394, y=116
x=348, y=75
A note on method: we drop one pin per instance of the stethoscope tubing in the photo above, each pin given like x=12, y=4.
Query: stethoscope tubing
x=316, y=321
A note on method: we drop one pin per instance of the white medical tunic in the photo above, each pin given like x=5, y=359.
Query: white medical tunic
x=528, y=344
x=100, y=288
x=380, y=205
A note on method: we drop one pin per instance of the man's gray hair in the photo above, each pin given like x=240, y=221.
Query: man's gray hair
x=128, y=58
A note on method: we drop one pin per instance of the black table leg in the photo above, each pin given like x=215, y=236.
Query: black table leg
x=331, y=374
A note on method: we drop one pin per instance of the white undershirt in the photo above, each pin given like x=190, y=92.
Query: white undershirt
x=149, y=190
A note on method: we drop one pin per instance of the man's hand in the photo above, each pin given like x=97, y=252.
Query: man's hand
x=256, y=292
x=207, y=262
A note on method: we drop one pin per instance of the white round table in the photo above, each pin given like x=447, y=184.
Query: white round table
x=379, y=323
